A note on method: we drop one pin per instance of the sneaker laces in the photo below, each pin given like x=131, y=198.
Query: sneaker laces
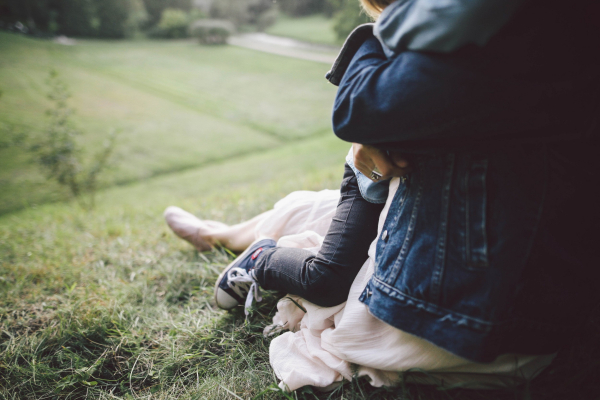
x=242, y=283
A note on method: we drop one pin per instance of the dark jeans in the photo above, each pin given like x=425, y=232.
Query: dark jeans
x=325, y=279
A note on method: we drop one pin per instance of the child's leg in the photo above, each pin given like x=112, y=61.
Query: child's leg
x=325, y=279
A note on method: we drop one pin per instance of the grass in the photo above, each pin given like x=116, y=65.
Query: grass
x=114, y=291
x=313, y=28
x=174, y=105
x=109, y=304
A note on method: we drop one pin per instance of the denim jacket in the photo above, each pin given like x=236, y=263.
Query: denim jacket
x=474, y=248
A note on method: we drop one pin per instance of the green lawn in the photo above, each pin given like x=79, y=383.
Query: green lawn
x=116, y=291
x=109, y=304
x=176, y=105
x=314, y=28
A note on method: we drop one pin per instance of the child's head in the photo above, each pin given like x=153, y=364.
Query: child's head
x=375, y=7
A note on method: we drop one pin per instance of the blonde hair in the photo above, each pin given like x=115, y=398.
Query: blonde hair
x=374, y=7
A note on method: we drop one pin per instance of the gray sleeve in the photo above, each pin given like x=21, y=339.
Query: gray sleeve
x=441, y=25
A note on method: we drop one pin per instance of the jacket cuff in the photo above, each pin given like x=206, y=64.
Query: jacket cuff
x=373, y=192
x=354, y=41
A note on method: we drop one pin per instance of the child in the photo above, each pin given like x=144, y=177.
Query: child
x=323, y=279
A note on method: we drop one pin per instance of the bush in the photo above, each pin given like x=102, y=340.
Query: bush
x=297, y=8
x=212, y=31
x=241, y=12
x=349, y=17
x=173, y=24
x=266, y=19
x=155, y=8
x=58, y=154
x=235, y=11
x=137, y=19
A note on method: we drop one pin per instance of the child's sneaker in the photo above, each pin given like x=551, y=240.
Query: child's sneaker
x=237, y=284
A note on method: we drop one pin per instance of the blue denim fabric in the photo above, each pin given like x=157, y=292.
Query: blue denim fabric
x=417, y=97
x=489, y=254
x=471, y=257
x=516, y=88
x=373, y=192
x=446, y=268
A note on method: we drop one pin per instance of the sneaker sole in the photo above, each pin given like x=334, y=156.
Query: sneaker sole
x=220, y=278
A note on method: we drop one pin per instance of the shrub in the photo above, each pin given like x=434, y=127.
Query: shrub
x=155, y=8
x=297, y=8
x=266, y=19
x=348, y=17
x=240, y=12
x=173, y=24
x=212, y=31
x=58, y=154
x=138, y=17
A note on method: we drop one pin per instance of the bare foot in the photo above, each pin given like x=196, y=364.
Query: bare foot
x=192, y=229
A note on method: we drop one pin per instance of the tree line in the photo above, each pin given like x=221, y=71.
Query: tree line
x=161, y=18
x=87, y=18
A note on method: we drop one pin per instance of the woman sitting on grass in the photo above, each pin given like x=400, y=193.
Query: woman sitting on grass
x=461, y=103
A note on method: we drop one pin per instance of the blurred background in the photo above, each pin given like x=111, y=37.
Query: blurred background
x=163, y=85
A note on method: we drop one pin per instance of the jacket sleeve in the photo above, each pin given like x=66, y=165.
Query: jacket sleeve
x=418, y=97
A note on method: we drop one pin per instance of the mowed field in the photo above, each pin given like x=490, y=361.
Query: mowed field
x=313, y=28
x=109, y=304
x=174, y=106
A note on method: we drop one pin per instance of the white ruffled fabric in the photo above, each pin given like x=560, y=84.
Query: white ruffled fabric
x=325, y=345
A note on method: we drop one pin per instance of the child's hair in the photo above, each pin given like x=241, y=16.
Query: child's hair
x=374, y=7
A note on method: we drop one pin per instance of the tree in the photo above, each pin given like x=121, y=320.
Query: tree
x=92, y=18
x=241, y=12
x=35, y=14
x=112, y=16
x=302, y=7
x=137, y=18
x=77, y=17
x=349, y=16
x=266, y=19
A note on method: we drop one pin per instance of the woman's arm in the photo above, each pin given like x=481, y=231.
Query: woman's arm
x=424, y=98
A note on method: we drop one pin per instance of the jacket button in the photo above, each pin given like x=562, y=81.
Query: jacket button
x=384, y=236
x=368, y=292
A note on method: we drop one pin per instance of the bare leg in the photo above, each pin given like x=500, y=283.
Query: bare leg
x=238, y=237
x=204, y=234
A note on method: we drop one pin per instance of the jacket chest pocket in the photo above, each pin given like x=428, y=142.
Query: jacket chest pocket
x=476, y=241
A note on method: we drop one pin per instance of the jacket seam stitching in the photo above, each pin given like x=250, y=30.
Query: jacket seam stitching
x=438, y=310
